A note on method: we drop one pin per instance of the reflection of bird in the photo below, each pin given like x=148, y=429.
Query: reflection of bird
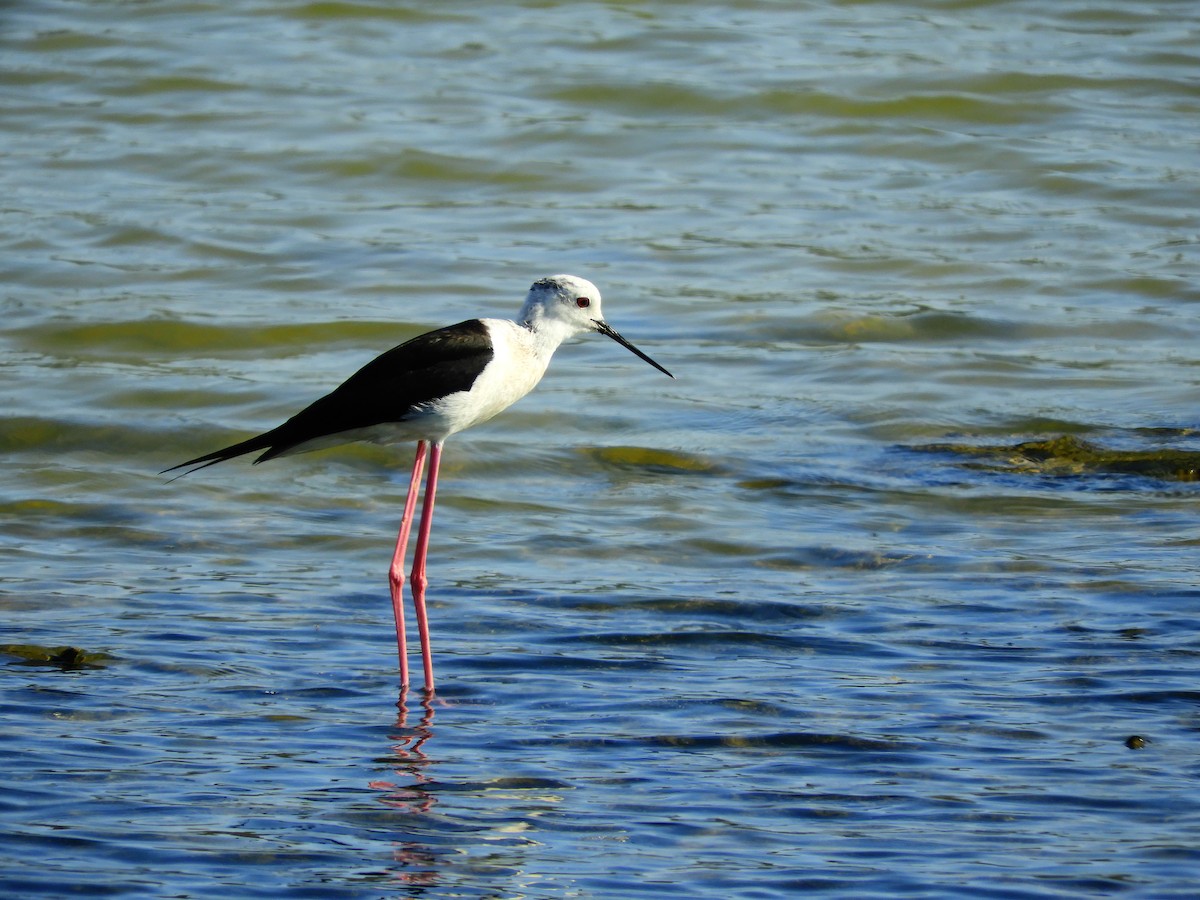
x=428, y=389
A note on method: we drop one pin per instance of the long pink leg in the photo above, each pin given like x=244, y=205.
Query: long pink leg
x=396, y=571
x=418, y=579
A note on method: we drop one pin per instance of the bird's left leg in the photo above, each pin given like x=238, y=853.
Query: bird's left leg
x=418, y=580
x=396, y=572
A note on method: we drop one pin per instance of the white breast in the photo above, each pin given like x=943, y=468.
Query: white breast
x=518, y=363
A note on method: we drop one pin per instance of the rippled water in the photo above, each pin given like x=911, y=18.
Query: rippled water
x=823, y=615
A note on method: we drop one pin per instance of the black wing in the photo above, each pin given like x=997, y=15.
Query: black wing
x=387, y=389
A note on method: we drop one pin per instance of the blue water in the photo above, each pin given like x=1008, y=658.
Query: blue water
x=763, y=630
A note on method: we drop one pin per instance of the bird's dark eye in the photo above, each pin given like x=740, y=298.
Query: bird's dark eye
x=583, y=302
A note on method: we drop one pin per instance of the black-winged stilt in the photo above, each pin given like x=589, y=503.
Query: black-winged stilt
x=427, y=389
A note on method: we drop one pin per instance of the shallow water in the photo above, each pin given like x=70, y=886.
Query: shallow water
x=764, y=629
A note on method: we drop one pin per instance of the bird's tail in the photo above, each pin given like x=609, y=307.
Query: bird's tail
x=260, y=442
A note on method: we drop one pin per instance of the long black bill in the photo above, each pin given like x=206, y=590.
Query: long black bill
x=606, y=329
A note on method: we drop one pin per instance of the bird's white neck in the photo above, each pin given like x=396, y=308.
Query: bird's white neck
x=548, y=331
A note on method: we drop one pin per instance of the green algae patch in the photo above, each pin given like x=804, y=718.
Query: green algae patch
x=1068, y=455
x=66, y=658
x=649, y=459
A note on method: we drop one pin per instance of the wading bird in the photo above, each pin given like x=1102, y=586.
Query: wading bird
x=427, y=389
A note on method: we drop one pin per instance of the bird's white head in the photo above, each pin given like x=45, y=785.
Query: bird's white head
x=566, y=303
x=560, y=306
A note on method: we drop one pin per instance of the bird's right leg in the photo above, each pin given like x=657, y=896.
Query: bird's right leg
x=419, y=580
x=396, y=571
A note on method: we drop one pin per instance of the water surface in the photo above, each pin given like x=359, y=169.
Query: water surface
x=766, y=629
